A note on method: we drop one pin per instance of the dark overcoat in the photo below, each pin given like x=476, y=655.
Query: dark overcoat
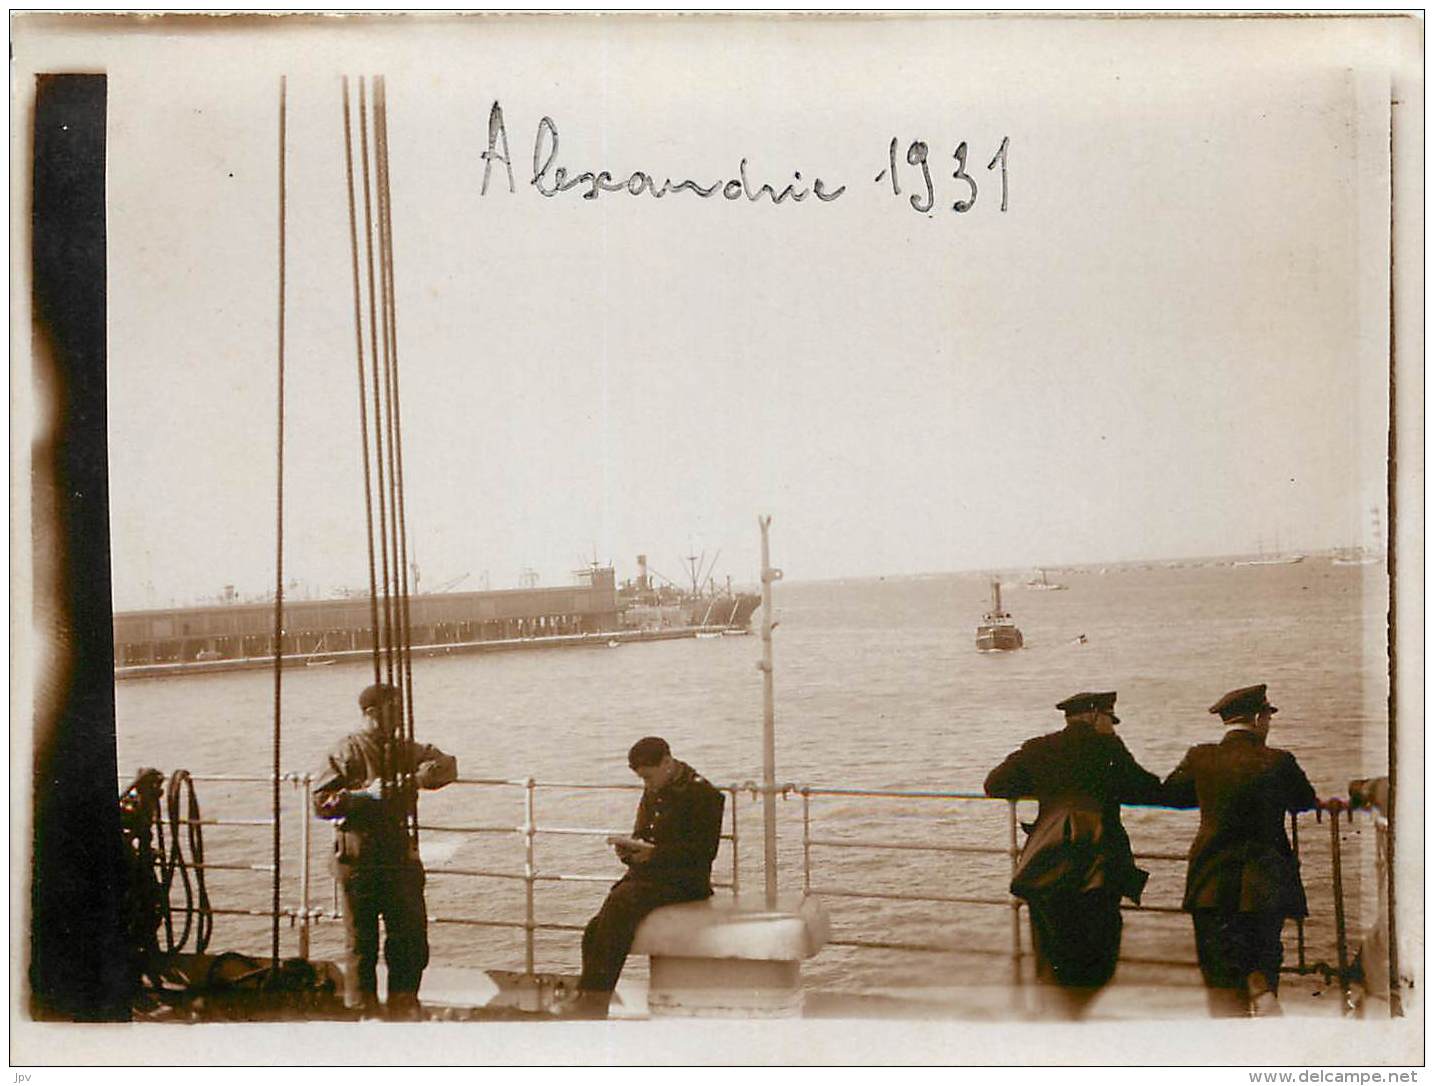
x=1241, y=860
x=683, y=819
x=1077, y=843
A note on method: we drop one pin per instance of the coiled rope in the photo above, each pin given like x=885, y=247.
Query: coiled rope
x=198, y=913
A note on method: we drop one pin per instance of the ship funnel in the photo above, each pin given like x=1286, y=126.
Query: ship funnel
x=642, y=572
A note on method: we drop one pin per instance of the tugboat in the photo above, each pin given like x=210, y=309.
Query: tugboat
x=997, y=632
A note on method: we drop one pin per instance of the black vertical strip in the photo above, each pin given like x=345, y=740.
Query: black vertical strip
x=79, y=967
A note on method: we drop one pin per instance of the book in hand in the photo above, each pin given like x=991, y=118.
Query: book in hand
x=630, y=844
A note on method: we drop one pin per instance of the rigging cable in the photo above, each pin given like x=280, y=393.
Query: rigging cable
x=382, y=413
x=278, y=539
x=386, y=635
x=362, y=404
x=405, y=630
x=383, y=472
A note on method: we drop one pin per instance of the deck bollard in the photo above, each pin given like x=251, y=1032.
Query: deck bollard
x=730, y=957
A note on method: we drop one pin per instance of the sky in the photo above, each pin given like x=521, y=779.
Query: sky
x=1172, y=341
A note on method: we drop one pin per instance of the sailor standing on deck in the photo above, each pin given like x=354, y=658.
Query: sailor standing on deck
x=1243, y=878
x=669, y=859
x=376, y=864
x=1077, y=863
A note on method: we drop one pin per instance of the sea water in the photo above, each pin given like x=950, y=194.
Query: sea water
x=878, y=686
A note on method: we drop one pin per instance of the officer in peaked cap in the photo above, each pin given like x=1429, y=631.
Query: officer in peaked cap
x=1078, y=704
x=1243, y=878
x=1077, y=862
x=1244, y=704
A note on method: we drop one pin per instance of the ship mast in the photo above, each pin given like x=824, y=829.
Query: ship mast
x=279, y=542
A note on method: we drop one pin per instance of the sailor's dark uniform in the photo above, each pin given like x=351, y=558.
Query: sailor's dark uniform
x=684, y=821
x=1077, y=862
x=376, y=865
x=1243, y=878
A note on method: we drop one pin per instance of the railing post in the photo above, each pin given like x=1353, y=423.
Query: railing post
x=333, y=881
x=1299, y=920
x=1015, y=902
x=1339, y=931
x=736, y=854
x=530, y=872
x=303, y=785
x=769, y=727
x=806, y=841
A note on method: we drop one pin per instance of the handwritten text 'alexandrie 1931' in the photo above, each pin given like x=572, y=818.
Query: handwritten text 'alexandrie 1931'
x=551, y=179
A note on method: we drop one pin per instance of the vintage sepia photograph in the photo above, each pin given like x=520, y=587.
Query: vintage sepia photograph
x=675, y=538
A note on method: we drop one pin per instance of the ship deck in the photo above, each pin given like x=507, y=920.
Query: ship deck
x=451, y=992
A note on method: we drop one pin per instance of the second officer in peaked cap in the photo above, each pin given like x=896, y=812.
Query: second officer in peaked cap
x=1243, y=878
x=1077, y=862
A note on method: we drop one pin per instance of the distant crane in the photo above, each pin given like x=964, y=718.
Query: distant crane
x=700, y=570
x=587, y=573
x=447, y=586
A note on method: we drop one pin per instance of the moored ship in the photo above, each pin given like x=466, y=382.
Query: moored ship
x=644, y=604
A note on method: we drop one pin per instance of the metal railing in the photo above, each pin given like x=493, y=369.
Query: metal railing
x=304, y=913
x=1016, y=952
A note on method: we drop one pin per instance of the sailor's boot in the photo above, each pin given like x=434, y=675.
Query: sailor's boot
x=1264, y=1003
x=404, y=1007
x=587, y=1003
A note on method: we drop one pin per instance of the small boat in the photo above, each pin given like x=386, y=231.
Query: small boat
x=1356, y=556
x=1283, y=560
x=1370, y=561
x=1040, y=584
x=314, y=660
x=1277, y=557
x=997, y=632
x=707, y=635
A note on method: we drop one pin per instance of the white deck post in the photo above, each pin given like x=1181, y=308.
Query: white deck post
x=769, y=726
